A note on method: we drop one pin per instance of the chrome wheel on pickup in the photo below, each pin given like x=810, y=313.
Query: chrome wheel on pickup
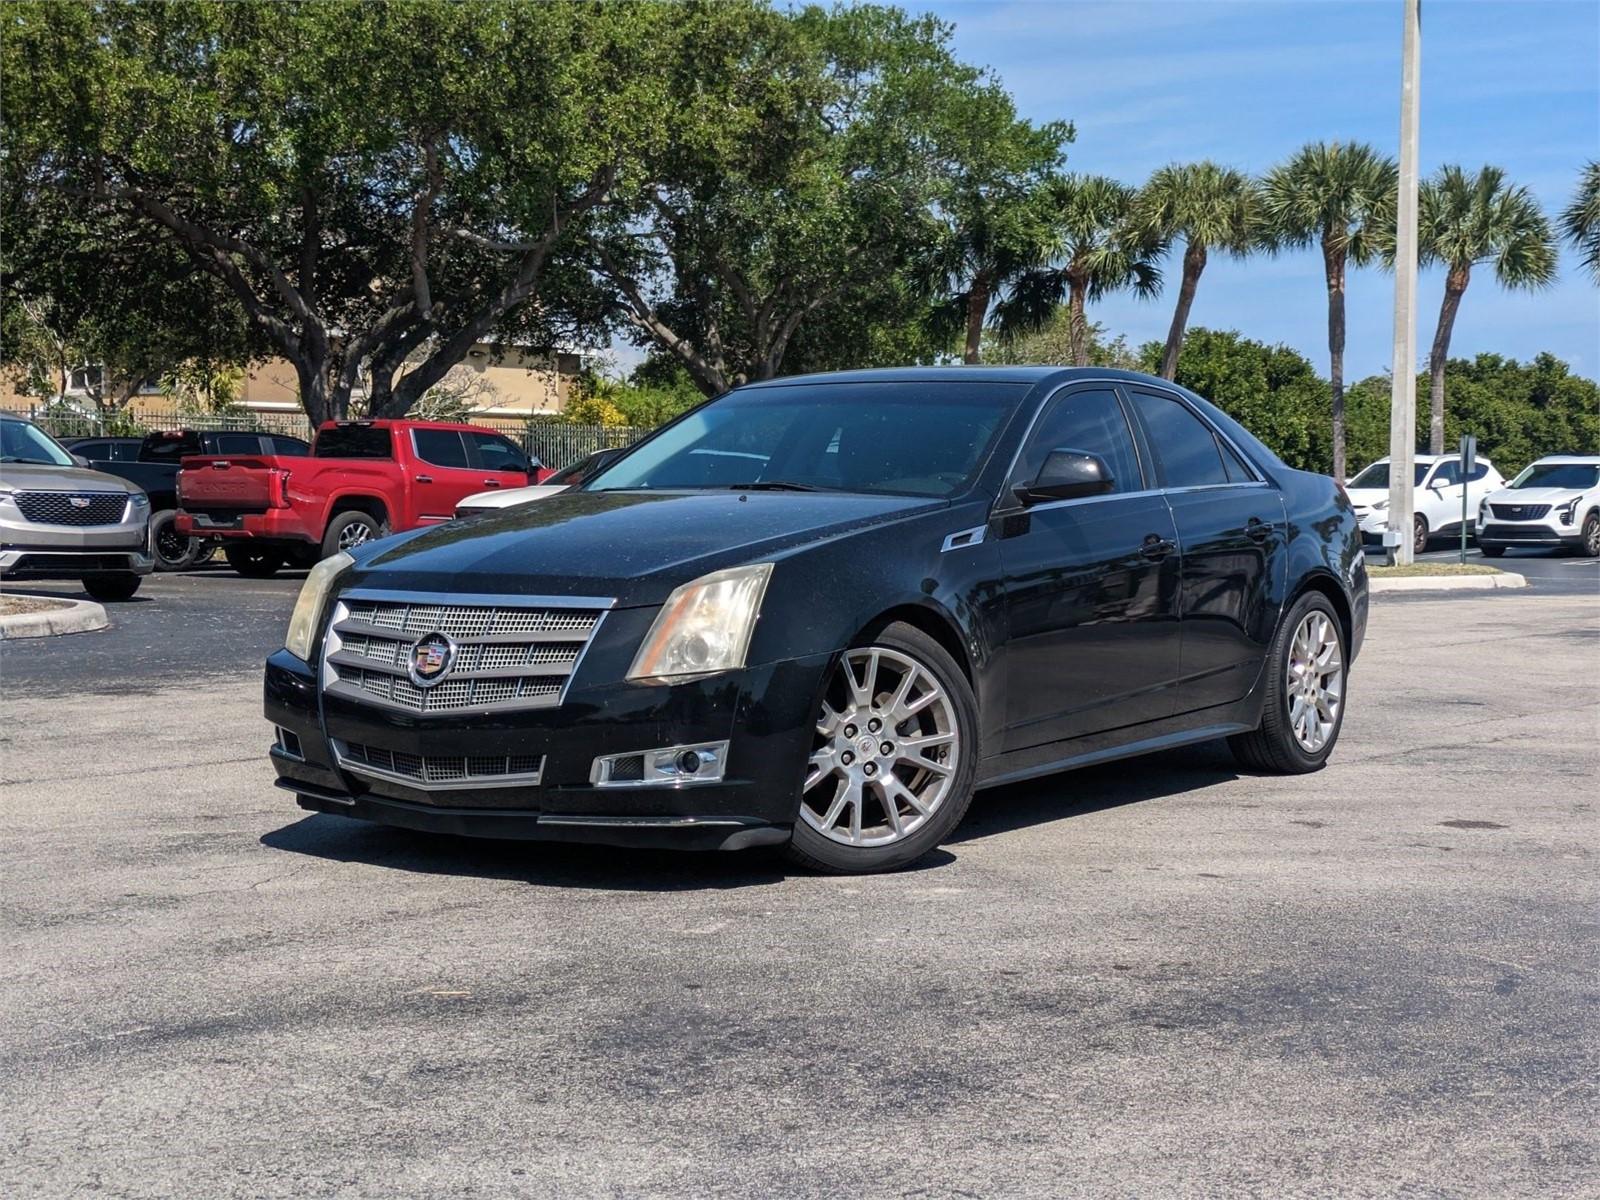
x=890, y=769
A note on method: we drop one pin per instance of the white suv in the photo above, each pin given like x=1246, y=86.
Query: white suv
x=1555, y=502
x=1437, y=496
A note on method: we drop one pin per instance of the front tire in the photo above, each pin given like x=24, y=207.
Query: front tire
x=1303, y=709
x=253, y=562
x=111, y=588
x=893, y=760
x=173, y=551
x=1589, y=547
x=1490, y=550
x=1419, y=533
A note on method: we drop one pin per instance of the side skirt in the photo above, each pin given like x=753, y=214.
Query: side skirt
x=1087, y=758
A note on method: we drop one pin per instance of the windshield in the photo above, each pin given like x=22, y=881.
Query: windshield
x=21, y=442
x=908, y=439
x=1578, y=476
x=1377, y=476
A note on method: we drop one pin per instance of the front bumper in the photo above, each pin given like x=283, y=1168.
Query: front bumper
x=37, y=550
x=766, y=714
x=1529, y=533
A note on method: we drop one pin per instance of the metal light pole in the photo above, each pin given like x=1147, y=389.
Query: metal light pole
x=1403, y=397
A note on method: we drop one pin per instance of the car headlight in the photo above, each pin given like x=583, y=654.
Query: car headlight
x=704, y=627
x=308, y=608
x=1568, y=511
x=1379, y=505
x=139, y=500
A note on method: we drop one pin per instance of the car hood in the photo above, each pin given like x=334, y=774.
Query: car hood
x=1366, y=497
x=633, y=546
x=1544, y=495
x=40, y=477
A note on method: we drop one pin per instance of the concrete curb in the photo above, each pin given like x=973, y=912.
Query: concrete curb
x=78, y=616
x=1447, y=583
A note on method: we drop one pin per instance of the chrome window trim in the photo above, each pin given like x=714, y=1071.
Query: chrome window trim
x=520, y=779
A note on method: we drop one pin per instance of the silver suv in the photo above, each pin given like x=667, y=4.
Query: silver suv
x=59, y=520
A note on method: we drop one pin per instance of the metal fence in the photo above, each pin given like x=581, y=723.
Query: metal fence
x=556, y=444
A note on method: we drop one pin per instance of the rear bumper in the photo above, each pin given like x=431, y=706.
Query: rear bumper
x=274, y=525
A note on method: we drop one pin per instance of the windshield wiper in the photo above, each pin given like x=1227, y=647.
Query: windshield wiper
x=775, y=485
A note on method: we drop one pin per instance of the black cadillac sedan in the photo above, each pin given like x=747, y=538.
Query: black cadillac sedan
x=821, y=612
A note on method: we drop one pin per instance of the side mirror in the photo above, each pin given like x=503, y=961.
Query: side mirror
x=1066, y=475
x=79, y=460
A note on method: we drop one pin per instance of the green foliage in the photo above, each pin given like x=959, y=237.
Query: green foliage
x=1051, y=345
x=1580, y=220
x=204, y=388
x=1465, y=221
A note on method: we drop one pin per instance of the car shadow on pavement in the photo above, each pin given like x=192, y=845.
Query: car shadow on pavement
x=1093, y=789
x=549, y=864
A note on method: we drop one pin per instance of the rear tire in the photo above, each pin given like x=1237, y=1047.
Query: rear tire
x=349, y=530
x=1490, y=550
x=111, y=588
x=173, y=551
x=1303, y=684
x=253, y=562
x=866, y=805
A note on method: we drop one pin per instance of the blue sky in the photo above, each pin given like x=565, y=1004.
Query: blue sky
x=1516, y=84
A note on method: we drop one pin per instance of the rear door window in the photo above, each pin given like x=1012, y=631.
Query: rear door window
x=441, y=447
x=498, y=453
x=238, y=443
x=288, y=446
x=1183, y=444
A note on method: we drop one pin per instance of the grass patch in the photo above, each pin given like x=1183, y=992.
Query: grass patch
x=1413, y=570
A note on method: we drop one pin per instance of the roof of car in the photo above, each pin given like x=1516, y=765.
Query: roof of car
x=1585, y=460
x=961, y=373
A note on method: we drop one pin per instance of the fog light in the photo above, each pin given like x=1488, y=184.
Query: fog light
x=670, y=766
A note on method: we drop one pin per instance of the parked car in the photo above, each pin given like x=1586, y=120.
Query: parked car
x=362, y=480
x=1436, y=497
x=1553, y=503
x=153, y=461
x=60, y=520
x=820, y=611
x=568, y=477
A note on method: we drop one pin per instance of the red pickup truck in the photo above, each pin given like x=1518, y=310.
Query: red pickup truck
x=363, y=479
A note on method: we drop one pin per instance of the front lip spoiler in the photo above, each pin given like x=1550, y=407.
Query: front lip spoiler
x=667, y=831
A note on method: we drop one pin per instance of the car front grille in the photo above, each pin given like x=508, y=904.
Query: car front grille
x=1520, y=512
x=505, y=654
x=441, y=770
x=73, y=508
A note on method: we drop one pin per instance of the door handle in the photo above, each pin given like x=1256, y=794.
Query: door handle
x=1157, y=547
x=424, y=478
x=1257, y=530
x=491, y=483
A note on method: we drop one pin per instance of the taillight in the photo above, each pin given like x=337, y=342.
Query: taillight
x=280, y=489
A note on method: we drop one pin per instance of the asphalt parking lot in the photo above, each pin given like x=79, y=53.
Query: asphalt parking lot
x=1155, y=978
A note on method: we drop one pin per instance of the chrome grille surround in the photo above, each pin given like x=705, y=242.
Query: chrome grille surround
x=512, y=652
x=1520, y=512
x=440, y=771
x=73, y=508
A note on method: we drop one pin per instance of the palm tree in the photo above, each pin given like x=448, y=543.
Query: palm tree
x=1581, y=220
x=1463, y=222
x=1343, y=198
x=994, y=243
x=1209, y=207
x=1098, y=249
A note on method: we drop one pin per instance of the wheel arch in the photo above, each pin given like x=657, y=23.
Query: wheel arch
x=364, y=502
x=934, y=622
x=1328, y=585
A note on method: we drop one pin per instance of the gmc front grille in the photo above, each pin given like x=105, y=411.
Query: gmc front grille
x=498, y=654
x=73, y=508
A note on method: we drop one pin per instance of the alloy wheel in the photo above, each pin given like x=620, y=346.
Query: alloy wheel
x=1591, y=536
x=1419, y=534
x=1314, y=685
x=885, y=752
x=173, y=549
x=354, y=534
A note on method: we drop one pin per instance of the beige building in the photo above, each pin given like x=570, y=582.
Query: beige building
x=512, y=384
